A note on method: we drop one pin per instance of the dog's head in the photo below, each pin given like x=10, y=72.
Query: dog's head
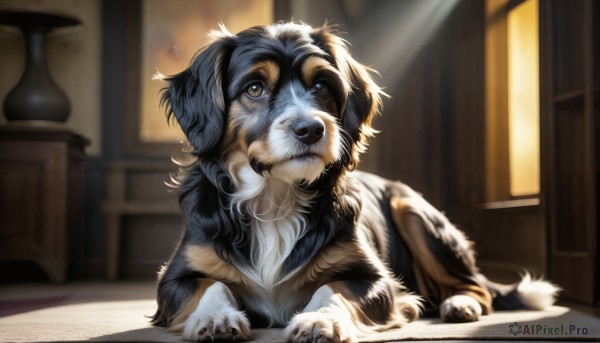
x=288, y=97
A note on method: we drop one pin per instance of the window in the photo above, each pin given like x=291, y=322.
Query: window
x=172, y=32
x=512, y=100
x=524, y=99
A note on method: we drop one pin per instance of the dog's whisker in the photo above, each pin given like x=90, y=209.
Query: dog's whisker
x=344, y=143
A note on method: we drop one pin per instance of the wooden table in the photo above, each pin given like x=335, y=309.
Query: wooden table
x=41, y=197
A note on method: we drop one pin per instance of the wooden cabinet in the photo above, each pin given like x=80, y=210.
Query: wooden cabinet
x=41, y=197
x=570, y=75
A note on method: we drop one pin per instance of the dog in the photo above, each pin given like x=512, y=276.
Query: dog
x=280, y=229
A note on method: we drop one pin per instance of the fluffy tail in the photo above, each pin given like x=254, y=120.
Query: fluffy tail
x=529, y=293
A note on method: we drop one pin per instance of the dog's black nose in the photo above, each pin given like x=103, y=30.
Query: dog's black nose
x=309, y=131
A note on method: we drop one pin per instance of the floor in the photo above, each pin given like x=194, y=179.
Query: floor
x=19, y=298
x=593, y=311
x=119, y=312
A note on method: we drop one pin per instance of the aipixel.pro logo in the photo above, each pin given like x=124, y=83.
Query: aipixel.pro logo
x=517, y=329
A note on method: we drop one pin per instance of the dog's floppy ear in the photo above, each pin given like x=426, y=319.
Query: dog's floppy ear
x=195, y=96
x=363, y=98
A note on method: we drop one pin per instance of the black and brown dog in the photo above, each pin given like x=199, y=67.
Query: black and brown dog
x=280, y=229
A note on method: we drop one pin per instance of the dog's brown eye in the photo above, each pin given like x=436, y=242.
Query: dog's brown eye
x=255, y=90
x=320, y=89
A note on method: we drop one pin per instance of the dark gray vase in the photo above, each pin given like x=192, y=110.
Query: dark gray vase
x=36, y=96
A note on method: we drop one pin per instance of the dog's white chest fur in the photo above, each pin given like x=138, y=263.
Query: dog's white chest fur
x=277, y=222
x=272, y=241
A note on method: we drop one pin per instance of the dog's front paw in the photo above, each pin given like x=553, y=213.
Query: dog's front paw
x=460, y=309
x=319, y=327
x=229, y=325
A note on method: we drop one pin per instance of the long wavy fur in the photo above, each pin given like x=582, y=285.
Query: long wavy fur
x=351, y=231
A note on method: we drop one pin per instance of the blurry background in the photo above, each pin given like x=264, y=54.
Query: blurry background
x=493, y=116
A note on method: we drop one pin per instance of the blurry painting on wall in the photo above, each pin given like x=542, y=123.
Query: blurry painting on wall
x=172, y=33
